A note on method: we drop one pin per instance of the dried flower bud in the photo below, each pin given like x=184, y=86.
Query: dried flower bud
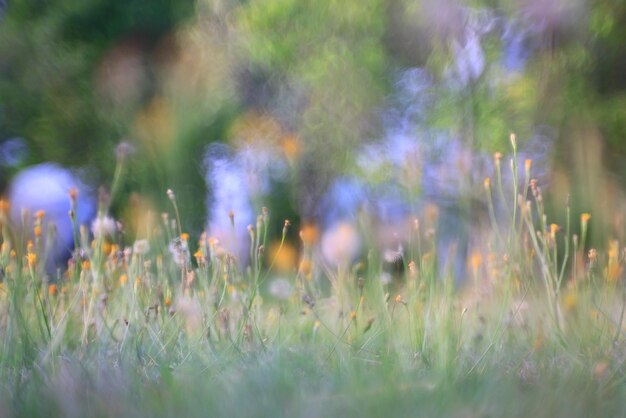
x=513, y=139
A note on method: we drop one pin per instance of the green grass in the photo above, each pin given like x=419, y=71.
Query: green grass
x=537, y=330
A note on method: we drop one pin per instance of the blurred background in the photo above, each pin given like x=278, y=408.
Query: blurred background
x=317, y=109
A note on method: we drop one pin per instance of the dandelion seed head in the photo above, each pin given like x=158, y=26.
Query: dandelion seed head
x=280, y=288
x=103, y=226
x=141, y=247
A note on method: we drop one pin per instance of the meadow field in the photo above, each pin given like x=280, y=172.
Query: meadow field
x=313, y=208
x=171, y=327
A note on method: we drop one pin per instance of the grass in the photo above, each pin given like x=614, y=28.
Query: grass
x=154, y=330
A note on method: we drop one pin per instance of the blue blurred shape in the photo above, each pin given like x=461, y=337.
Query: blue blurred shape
x=46, y=187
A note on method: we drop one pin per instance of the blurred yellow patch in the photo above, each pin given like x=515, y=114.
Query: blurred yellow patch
x=31, y=258
x=309, y=234
x=52, y=289
x=284, y=258
x=306, y=268
x=155, y=124
x=476, y=260
x=290, y=145
x=256, y=128
x=570, y=301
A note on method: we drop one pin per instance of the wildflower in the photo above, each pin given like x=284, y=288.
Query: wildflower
x=141, y=247
x=386, y=278
x=199, y=256
x=593, y=256
x=584, y=218
x=309, y=235
x=123, y=150
x=290, y=147
x=393, y=256
x=73, y=193
x=179, y=250
x=86, y=265
x=106, y=248
x=52, y=289
x=31, y=258
x=184, y=236
x=487, y=183
x=554, y=228
x=40, y=214
x=284, y=257
x=103, y=226
x=528, y=163
x=399, y=299
x=123, y=279
x=306, y=268
x=37, y=231
x=170, y=194
x=340, y=244
x=280, y=289
x=476, y=261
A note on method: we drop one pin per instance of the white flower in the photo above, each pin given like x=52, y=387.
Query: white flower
x=340, y=244
x=180, y=251
x=103, y=226
x=393, y=256
x=141, y=247
x=280, y=289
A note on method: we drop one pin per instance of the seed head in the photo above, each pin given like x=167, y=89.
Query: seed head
x=73, y=193
x=513, y=139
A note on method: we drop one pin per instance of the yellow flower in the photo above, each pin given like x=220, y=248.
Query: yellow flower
x=32, y=259
x=528, y=164
x=309, y=235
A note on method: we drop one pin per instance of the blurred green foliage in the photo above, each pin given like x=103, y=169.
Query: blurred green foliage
x=78, y=77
